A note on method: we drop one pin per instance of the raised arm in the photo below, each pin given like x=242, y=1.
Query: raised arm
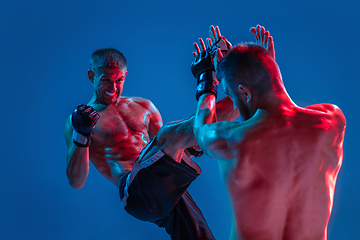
x=176, y=136
x=206, y=109
x=264, y=39
x=77, y=133
x=214, y=138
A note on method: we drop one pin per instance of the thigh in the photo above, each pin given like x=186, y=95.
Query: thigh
x=153, y=188
x=186, y=221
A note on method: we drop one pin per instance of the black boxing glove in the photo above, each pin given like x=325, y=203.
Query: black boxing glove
x=203, y=70
x=223, y=44
x=83, y=120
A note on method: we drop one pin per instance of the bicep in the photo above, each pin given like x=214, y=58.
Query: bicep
x=216, y=139
x=155, y=120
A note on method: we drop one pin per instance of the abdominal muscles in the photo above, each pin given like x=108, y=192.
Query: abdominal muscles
x=117, y=159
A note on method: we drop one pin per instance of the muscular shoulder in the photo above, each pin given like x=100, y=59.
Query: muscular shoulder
x=219, y=139
x=145, y=103
x=68, y=130
x=223, y=137
x=331, y=112
x=155, y=117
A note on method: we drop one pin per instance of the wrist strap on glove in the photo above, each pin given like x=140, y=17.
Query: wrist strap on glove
x=194, y=152
x=206, y=83
x=81, y=140
x=223, y=44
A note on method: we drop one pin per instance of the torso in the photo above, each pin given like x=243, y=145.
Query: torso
x=119, y=136
x=282, y=177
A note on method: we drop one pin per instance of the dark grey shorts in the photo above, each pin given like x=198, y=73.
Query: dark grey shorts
x=156, y=191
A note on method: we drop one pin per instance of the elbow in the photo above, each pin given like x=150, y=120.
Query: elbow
x=199, y=137
x=77, y=175
x=76, y=184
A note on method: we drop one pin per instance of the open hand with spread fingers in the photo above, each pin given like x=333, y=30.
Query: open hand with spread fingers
x=221, y=45
x=264, y=39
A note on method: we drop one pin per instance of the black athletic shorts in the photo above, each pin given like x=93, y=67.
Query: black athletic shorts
x=156, y=191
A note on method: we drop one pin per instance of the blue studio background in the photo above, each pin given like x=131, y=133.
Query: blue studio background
x=45, y=50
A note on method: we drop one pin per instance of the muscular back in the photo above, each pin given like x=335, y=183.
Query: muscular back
x=280, y=170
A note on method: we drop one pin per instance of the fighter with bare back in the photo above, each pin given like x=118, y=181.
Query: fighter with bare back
x=112, y=131
x=281, y=163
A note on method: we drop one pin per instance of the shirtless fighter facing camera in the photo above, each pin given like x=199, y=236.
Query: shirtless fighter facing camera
x=112, y=131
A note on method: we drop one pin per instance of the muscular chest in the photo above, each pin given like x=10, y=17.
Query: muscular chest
x=121, y=122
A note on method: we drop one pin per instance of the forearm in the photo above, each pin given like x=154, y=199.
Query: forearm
x=78, y=129
x=222, y=110
x=77, y=166
x=205, y=113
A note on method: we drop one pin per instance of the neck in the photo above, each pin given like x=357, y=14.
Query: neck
x=275, y=100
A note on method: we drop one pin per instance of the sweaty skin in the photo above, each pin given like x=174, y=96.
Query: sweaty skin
x=120, y=135
x=280, y=169
x=279, y=166
x=125, y=126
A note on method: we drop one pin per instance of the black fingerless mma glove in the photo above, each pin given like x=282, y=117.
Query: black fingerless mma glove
x=223, y=44
x=203, y=70
x=83, y=120
x=195, y=152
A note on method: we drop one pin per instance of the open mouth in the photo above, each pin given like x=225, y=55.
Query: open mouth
x=110, y=94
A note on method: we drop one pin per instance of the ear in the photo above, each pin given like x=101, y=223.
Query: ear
x=91, y=75
x=245, y=92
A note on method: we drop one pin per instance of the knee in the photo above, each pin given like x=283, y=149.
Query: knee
x=165, y=134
